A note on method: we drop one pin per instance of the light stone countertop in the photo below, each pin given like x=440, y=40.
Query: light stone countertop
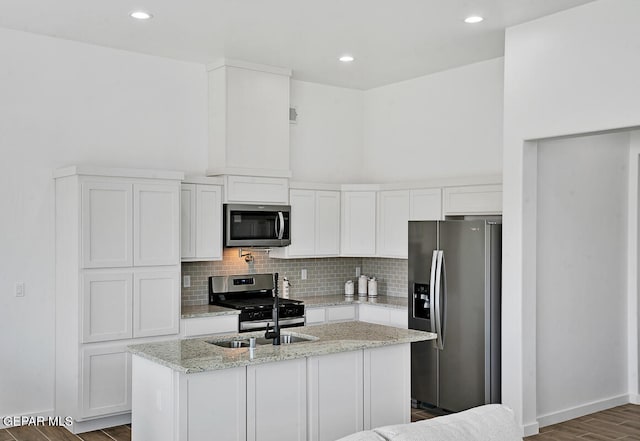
x=207, y=311
x=313, y=301
x=196, y=355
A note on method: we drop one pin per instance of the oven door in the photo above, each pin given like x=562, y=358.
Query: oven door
x=261, y=325
x=257, y=225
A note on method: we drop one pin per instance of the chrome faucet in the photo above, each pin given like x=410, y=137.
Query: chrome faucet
x=275, y=334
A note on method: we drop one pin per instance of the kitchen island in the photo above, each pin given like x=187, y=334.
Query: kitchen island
x=343, y=378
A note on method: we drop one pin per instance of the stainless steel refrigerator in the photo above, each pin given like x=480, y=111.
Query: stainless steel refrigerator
x=454, y=291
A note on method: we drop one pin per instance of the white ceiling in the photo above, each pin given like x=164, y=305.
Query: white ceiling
x=392, y=40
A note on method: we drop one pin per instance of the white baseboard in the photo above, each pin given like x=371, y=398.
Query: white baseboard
x=585, y=409
x=530, y=429
x=634, y=398
x=43, y=413
x=100, y=423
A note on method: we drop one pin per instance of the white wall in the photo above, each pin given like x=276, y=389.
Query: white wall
x=570, y=73
x=64, y=103
x=447, y=124
x=326, y=142
x=581, y=265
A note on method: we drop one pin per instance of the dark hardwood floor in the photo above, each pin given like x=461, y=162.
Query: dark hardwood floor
x=50, y=433
x=620, y=423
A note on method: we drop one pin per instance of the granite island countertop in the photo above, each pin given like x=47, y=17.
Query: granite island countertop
x=196, y=355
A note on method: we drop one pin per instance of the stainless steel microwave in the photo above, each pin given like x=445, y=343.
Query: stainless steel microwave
x=257, y=225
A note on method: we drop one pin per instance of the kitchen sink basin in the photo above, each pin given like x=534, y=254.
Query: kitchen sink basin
x=285, y=339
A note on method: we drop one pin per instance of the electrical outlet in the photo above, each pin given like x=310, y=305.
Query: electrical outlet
x=186, y=281
x=357, y=271
x=19, y=289
x=303, y=274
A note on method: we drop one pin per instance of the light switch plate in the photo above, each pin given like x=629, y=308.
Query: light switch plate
x=19, y=289
x=186, y=281
x=303, y=274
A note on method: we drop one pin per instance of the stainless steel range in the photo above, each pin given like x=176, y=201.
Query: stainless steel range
x=252, y=294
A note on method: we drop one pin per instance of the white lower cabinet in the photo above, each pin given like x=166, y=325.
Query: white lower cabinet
x=387, y=379
x=336, y=388
x=383, y=315
x=219, y=419
x=106, y=380
x=277, y=401
x=330, y=314
x=321, y=397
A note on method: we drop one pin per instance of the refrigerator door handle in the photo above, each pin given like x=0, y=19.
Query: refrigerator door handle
x=443, y=305
x=438, y=319
x=432, y=288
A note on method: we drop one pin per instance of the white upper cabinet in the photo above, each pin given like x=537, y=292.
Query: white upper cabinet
x=188, y=221
x=303, y=220
x=327, y=231
x=358, y=233
x=156, y=224
x=107, y=236
x=201, y=222
x=209, y=222
x=393, y=227
x=315, y=225
x=248, y=119
x=425, y=204
x=256, y=190
x=473, y=199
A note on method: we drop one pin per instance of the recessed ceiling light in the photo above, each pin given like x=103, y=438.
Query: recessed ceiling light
x=473, y=19
x=141, y=15
x=346, y=58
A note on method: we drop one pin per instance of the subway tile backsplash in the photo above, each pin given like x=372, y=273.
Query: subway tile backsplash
x=325, y=276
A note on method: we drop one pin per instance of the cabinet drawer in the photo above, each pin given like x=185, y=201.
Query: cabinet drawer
x=223, y=324
x=341, y=313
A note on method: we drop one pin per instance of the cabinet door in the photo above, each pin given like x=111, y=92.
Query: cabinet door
x=473, y=199
x=387, y=385
x=314, y=316
x=373, y=314
x=358, y=233
x=277, y=401
x=156, y=303
x=106, y=225
x=106, y=380
x=256, y=189
x=217, y=406
x=335, y=388
x=209, y=222
x=343, y=313
x=303, y=221
x=426, y=204
x=156, y=224
x=106, y=306
x=393, y=227
x=327, y=225
x=188, y=221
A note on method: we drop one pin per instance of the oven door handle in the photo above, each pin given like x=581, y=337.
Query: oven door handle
x=246, y=326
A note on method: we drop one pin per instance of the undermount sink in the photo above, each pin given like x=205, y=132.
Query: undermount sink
x=285, y=339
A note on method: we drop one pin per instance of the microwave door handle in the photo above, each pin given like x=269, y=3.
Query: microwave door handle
x=281, y=231
x=277, y=227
